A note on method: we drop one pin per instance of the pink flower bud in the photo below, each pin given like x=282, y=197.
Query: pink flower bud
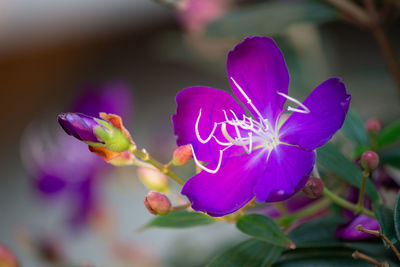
x=157, y=203
x=369, y=160
x=373, y=125
x=153, y=179
x=182, y=155
x=7, y=258
x=314, y=187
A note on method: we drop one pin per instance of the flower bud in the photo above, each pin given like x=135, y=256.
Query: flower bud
x=107, y=132
x=153, y=179
x=182, y=155
x=369, y=160
x=82, y=127
x=157, y=203
x=314, y=187
x=373, y=125
x=7, y=258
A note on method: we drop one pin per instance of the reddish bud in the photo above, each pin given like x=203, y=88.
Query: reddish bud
x=182, y=155
x=369, y=160
x=7, y=258
x=157, y=203
x=373, y=125
x=314, y=187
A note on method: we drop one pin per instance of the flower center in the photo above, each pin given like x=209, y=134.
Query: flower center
x=246, y=132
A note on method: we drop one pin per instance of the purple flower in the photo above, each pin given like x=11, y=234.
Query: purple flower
x=260, y=155
x=65, y=167
x=349, y=231
x=80, y=126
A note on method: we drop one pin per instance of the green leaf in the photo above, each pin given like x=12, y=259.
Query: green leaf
x=391, y=157
x=321, y=257
x=262, y=227
x=180, y=219
x=354, y=129
x=319, y=232
x=331, y=158
x=269, y=18
x=385, y=218
x=389, y=134
x=252, y=252
x=397, y=217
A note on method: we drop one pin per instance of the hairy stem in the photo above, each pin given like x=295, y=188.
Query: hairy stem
x=351, y=9
x=380, y=235
x=388, y=52
x=358, y=255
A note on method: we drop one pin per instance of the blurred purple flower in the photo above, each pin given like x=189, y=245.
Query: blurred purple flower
x=194, y=15
x=348, y=230
x=261, y=156
x=65, y=166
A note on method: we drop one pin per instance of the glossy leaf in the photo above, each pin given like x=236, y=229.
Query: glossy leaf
x=354, y=129
x=389, y=134
x=252, y=252
x=385, y=219
x=391, y=157
x=181, y=219
x=319, y=232
x=331, y=158
x=262, y=227
x=397, y=217
x=321, y=257
x=269, y=18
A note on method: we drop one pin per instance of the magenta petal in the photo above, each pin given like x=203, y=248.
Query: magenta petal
x=211, y=102
x=258, y=66
x=328, y=105
x=287, y=171
x=349, y=231
x=227, y=190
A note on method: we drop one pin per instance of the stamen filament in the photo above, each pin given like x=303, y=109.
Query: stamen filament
x=201, y=166
x=304, y=109
x=246, y=97
x=196, y=128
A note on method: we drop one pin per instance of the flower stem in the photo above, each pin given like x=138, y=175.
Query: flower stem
x=362, y=190
x=346, y=204
x=380, y=235
x=370, y=18
x=181, y=207
x=388, y=52
x=144, y=155
x=358, y=255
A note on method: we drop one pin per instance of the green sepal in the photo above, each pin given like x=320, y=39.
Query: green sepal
x=118, y=141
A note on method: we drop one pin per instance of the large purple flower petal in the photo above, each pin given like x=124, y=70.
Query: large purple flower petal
x=258, y=67
x=349, y=232
x=328, y=105
x=212, y=102
x=230, y=188
x=287, y=171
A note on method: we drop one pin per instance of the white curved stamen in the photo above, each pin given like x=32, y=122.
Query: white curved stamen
x=246, y=97
x=221, y=143
x=304, y=109
x=201, y=166
x=248, y=133
x=196, y=128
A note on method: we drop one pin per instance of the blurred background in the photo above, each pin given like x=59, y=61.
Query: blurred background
x=58, y=55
